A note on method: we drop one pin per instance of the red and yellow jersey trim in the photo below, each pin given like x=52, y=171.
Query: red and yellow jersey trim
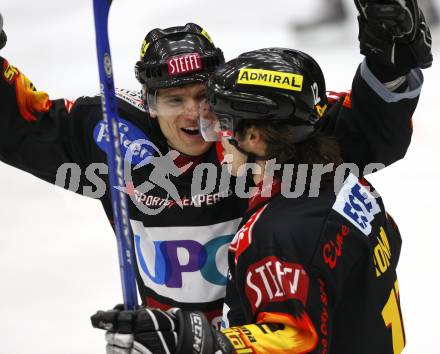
x=274, y=333
x=29, y=100
x=333, y=97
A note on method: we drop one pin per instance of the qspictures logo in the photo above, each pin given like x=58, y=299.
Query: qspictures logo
x=211, y=182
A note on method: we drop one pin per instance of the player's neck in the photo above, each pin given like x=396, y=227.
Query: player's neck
x=259, y=177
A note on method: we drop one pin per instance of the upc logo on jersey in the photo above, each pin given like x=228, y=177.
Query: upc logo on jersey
x=128, y=134
x=273, y=280
x=243, y=237
x=182, y=64
x=270, y=78
x=355, y=203
x=174, y=261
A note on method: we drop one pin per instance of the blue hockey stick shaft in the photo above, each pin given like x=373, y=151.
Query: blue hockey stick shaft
x=115, y=159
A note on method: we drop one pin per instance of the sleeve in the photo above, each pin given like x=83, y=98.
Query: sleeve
x=38, y=135
x=372, y=123
x=270, y=338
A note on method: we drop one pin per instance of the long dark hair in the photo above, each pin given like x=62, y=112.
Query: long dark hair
x=280, y=137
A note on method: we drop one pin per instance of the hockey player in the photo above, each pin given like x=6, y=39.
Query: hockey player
x=320, y=272
x=39, y=135
x=305, y=274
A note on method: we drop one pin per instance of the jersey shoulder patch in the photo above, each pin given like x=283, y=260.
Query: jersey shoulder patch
x=133, y=98
x=356, y=203
x=128, y=101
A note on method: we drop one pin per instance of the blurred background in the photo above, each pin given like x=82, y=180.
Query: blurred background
x=58, y=259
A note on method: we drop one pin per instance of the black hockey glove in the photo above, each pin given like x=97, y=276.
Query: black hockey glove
x=3, y=37
x=152, y=331
x=393, y=36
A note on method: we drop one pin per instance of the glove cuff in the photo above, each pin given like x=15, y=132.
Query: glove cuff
x=421, y=48
x=197, y=336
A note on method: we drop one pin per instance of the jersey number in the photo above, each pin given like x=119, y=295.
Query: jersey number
x=392, y=318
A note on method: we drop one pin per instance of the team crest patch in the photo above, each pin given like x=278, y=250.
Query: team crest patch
x=274, y=280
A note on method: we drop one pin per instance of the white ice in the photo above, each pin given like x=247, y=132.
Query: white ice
x=58, y=261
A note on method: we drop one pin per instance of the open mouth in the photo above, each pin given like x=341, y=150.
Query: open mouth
x=191, y=131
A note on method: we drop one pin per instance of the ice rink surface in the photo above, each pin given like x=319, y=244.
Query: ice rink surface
x=58, y=260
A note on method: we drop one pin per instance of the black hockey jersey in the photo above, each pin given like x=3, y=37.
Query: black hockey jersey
x=326, y=265
x=181, y=248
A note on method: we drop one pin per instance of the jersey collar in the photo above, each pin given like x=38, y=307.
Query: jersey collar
x=263, y=193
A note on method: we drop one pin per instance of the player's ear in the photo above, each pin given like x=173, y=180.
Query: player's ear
x=253, y=141
x=253, y=136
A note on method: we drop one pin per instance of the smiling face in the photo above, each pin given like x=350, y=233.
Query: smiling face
x=177, y=111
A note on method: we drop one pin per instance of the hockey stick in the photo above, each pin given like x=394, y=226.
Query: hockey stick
x=115, y=159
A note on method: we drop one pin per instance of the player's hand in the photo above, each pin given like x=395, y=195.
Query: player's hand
x=3, y=37
x=394, y=34
x=152, y=331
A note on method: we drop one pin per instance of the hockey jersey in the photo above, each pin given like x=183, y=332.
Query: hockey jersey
x=323, y=268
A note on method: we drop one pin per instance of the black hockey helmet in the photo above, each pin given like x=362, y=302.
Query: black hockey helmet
x=270, y=84
x=177, y=56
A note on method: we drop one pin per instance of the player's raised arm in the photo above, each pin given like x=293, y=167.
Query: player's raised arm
x=40, y=135
x=373, y=121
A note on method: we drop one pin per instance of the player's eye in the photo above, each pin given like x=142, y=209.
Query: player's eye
x=174, y=101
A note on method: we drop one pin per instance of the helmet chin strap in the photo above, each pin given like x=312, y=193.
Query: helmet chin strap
x=251, y=157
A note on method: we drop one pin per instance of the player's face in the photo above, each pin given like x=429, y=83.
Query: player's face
x=233, y=158
x=251, y=141
x=177, y=110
